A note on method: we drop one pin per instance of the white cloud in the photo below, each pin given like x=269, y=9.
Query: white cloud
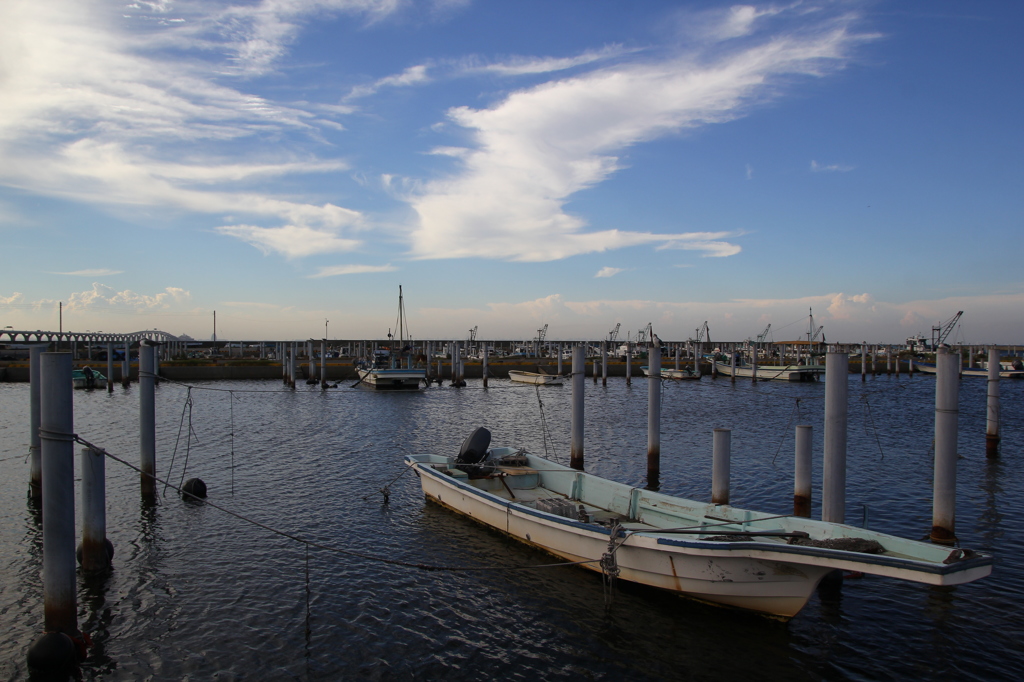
x=750, y=172
x=99, y=272
x=335, y=270
x=709, y=242
x=414, y=75
x=608, y=272
x=15, y=298
x=518, y=66
x=293, y=241
x=830, y=168
x=539, y=146
x=102, y=297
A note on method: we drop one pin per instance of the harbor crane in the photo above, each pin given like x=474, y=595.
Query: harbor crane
x=472, y=334
x=940, y=332
x=614, y=334
x=645, y=335
x=812, y=333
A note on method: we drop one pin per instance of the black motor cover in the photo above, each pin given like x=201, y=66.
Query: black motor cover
x=474, y=448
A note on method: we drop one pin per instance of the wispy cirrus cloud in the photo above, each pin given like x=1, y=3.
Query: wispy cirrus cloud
x=414, y=75
x=830, y=168
x=535, y=149
x=99, y=272
x=293, y=241
x=609, y=272
x=336, y=270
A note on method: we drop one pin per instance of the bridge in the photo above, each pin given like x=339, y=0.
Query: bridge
x=40, y=336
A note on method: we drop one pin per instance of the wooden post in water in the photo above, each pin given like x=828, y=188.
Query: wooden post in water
x=147, y=420
x=35, y=476
x=578, y=376
x=94, y=511
x=60, y=606
x=833, y=489
x=802, y=473
x=992, y=408
x=721, y=453
x=947, y=388
x=654, y=415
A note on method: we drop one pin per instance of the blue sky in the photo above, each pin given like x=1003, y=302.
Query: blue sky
x=577, y=164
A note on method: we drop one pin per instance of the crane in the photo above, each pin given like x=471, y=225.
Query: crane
x=763, y=336
x=614, y=334
x=645, y=335
x=940, y=332
x=472, y=334
x=541, y=333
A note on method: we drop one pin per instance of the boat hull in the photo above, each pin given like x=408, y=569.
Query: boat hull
x=929, y=368
x=773, y=578
x=774, y=372
x=392, y=379
x=676, y=374
x=535, y=378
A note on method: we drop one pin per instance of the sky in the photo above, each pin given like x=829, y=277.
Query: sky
x=581, y=164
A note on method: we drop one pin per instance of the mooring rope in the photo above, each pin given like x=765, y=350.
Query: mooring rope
x=186, y=407
x=319, y=545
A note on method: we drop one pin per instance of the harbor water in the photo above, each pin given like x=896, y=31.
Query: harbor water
x=198, y=594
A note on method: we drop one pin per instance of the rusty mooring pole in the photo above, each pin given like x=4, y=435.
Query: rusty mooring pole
x=802, y=474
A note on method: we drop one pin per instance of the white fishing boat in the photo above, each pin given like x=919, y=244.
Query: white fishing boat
x=392, y=369
x=538, y=378
x=1006, y=370
x=666, y=373
x=716, y=553
x=773, y=372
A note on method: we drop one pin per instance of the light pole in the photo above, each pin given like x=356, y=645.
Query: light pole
x=326, y=335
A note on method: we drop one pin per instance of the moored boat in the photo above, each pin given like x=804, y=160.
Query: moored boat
x=666, y=373
x=392, y=369
x=87, y=377
x=773, y=372
x=538, y=378
x=1005, y=372
x=715, y=553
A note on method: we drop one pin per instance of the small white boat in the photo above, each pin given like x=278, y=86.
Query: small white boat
x=672, y=373
x=87, y=378
x=537, y=378
x=716, y=553
x=773, y=372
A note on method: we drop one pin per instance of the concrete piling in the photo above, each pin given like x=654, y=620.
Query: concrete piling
x=578, y=370
x=833, y=493
x=732, y=365
x=802, y=473
x=110, y=368
x=323, y=364
x=559, y=358
x=629, y=363
x=947, y=387
x=147, y=420
x=992, y=406
x=654, y=415
x=486, y=351
x=604, y=363
x=35, y=480
x=721, y=454
x=864, y=361
x=56, y=430
x=126, y=365
x=94, y=511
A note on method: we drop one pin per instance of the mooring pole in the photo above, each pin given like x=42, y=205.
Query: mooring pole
x=721, y=453
x=578, y=376
x=487, y=351
x=863, y=360
x=323, y=364
x=94, y=511
x=833, y=489
x=678, y=351
x=110, y=368
x=802, y=473
x=147, y=420
x=559, y=358
x=947, y=387
x=604, y=363
x=293, y=365
x=654, y=415
x=58, y=455
x=35, y=476
x=992, y=412
x=732, y=365
x=126, y=365
x=629, y=363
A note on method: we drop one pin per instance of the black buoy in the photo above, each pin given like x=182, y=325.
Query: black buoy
x=194, y=487
x=53, y=656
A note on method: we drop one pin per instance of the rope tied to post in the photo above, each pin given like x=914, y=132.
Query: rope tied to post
x=609, y=563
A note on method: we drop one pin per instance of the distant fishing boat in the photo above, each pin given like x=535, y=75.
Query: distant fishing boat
x=1005, y=371
x=680, y=374
x=87, y=378
x=392, y=368
x=773, y=372
x=716, y=553
x=538, y=378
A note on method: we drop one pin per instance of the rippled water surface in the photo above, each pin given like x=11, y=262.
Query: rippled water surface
x=198, y=594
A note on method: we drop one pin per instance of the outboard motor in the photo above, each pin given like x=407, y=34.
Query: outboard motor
x=473, y=453
x=1017, y=364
